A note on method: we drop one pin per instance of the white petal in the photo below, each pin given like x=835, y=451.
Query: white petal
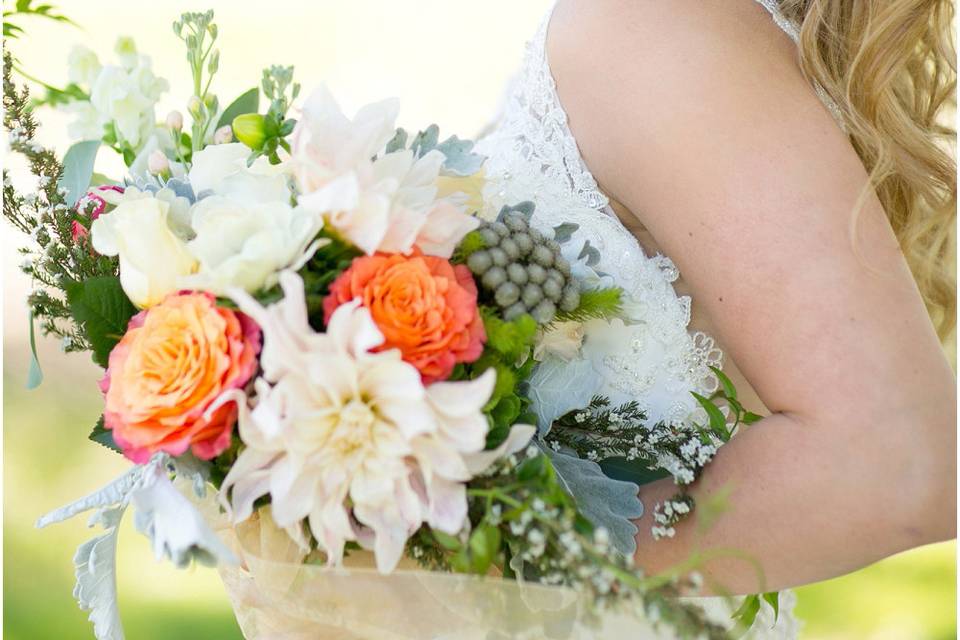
x=518, y=438
x=448, y=506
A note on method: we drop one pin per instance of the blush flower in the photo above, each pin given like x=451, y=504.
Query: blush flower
x=349, y=439
x=424, y=306
x=174, y=362
x=385, y=204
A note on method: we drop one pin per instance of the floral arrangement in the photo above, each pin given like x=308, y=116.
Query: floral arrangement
x=317, y=319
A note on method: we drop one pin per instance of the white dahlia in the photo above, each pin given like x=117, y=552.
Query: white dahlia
x=351, y=440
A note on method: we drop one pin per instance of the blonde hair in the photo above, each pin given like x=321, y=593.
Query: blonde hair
x=890, y=67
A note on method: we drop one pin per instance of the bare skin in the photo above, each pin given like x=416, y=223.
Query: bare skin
x=695, y=119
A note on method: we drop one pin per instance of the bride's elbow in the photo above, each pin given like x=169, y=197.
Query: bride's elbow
x=923, y=485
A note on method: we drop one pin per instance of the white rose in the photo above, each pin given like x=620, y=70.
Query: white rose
x=82, y=66
x=152, y=257
x=178, y=213
x=222, y=169
x=241, y=244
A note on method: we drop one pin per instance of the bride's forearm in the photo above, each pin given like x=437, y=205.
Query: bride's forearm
x=790, y=518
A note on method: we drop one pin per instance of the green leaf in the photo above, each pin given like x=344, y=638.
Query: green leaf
x=506, y=411
x=718, y=423
x=773, y=599
x=484, y=545
x=248, y=102
x=531, y=468
x=78, y=169
x=445, y=540
x=509, y=338
x=103, y=436
x=728, y=387
x=636, y=471
x=749, y=417
x=471, y=243
x=747, y=613
x=35, y=374
x=594, y=303
x=101, y=307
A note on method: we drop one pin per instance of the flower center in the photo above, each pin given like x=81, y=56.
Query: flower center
x=355, y=428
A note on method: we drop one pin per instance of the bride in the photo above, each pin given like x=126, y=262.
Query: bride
x=787, y=158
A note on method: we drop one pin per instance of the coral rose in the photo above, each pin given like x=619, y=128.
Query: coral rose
x=174, y=362
x=425, y=307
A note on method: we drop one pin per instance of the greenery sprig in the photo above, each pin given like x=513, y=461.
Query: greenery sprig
x=194, y=29
x=57, y=260
x=524, y=522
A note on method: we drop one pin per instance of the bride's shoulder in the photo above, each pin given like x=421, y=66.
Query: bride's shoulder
x=653, y=89
x=652, y=39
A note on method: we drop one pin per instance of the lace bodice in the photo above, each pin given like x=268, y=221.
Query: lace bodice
x=652, y=357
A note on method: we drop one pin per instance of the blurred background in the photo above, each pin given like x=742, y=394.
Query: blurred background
x=448, y=61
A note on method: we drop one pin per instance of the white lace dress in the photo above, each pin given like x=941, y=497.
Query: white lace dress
x=653, y=359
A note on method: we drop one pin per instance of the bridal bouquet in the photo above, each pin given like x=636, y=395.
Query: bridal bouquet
x=310, y=321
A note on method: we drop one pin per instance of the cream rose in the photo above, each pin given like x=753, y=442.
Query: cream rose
x=152, y=256
x=245, y=245
x=222, y=169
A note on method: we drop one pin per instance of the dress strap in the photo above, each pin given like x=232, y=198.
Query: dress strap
x=791, y=29
x=787, y=26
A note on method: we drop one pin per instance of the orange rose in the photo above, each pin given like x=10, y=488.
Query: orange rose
x=423, y=305
x=174, y=362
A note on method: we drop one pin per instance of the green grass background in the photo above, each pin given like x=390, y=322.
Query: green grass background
x=48, y=462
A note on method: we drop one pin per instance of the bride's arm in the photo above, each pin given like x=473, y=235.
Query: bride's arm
x=694, y=114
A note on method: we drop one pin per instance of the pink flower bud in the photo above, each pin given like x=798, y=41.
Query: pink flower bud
x=223, y=135
x=175, y=120
x=157, y=162
x=78, y=231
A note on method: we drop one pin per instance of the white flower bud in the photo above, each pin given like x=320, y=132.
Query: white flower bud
x=175, y=120
x=195, y=107
x=157, y=162
x=223, y=135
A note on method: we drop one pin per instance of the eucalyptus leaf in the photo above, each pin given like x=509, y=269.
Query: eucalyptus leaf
x=563, y=232
x=606, y=502
x=425, y=141
x=460, y=159
x=397, y=142
x=78, y=169
x=590, y=253
x=247, y=102
x=34, y=374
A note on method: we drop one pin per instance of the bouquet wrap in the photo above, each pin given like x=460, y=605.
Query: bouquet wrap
x=276, y=596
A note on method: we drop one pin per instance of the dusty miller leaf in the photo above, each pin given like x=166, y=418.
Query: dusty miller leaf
x=604, y=501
